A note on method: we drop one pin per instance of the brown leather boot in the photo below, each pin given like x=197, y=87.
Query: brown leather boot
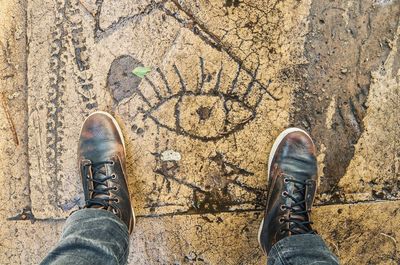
x=292, y=173
x=101, y=159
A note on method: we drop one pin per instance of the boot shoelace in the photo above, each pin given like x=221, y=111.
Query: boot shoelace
x=298, y=208
x=100, y=187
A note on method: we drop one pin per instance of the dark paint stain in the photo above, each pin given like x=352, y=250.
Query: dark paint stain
x=121, y=82
x=210, y=199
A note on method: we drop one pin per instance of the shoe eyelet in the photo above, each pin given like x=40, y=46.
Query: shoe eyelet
x=281, y=220
x=113, y=176
x=284, y=194
x=112, y=163
x=117, y=200
x=282, y=232
x=283, y=207
x=285, y=180
x=115, y=188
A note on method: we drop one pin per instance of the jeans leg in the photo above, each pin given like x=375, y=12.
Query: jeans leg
x=91, y=236
x=301, y=250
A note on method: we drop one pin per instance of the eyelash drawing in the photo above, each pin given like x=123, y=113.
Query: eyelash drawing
x=208, y=101
x=229, y=107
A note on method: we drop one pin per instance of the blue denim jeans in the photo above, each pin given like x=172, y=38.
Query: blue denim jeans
x=301, y=250
x=94, y=236
x=91, y=236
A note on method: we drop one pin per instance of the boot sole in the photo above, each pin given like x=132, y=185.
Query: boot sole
x=133, y=220
x=275, y=146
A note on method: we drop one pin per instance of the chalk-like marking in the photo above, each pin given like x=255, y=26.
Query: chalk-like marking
x=170, y=155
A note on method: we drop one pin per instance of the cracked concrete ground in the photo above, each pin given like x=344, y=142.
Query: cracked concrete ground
x=226, y=77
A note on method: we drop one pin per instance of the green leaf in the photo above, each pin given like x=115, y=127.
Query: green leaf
x=141, y=71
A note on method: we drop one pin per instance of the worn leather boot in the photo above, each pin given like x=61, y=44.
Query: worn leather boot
x=292, y=174
x=101, y=159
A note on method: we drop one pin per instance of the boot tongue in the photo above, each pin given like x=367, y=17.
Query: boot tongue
x=298, y=211
x=301, y=168
x=100, y=175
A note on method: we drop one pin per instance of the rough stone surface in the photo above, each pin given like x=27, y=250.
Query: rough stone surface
x=226, y=77
x=14, y=178
x=369, y=176
x=347, y=42
x=202, y=100
x=361, y=233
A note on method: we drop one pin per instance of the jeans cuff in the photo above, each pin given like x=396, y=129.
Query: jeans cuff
x=301, y=249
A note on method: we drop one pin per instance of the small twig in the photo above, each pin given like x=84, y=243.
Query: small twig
x=392, y=238
x=10, y=122
x=336, y=246
x=87, y=9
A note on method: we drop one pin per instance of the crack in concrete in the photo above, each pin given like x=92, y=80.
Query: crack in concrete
x=100, y=33
x=211, y=39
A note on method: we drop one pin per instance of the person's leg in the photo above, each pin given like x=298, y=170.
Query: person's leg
x=98, y=234
x=91, y=236
x=285, y=234
x=301, y=249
